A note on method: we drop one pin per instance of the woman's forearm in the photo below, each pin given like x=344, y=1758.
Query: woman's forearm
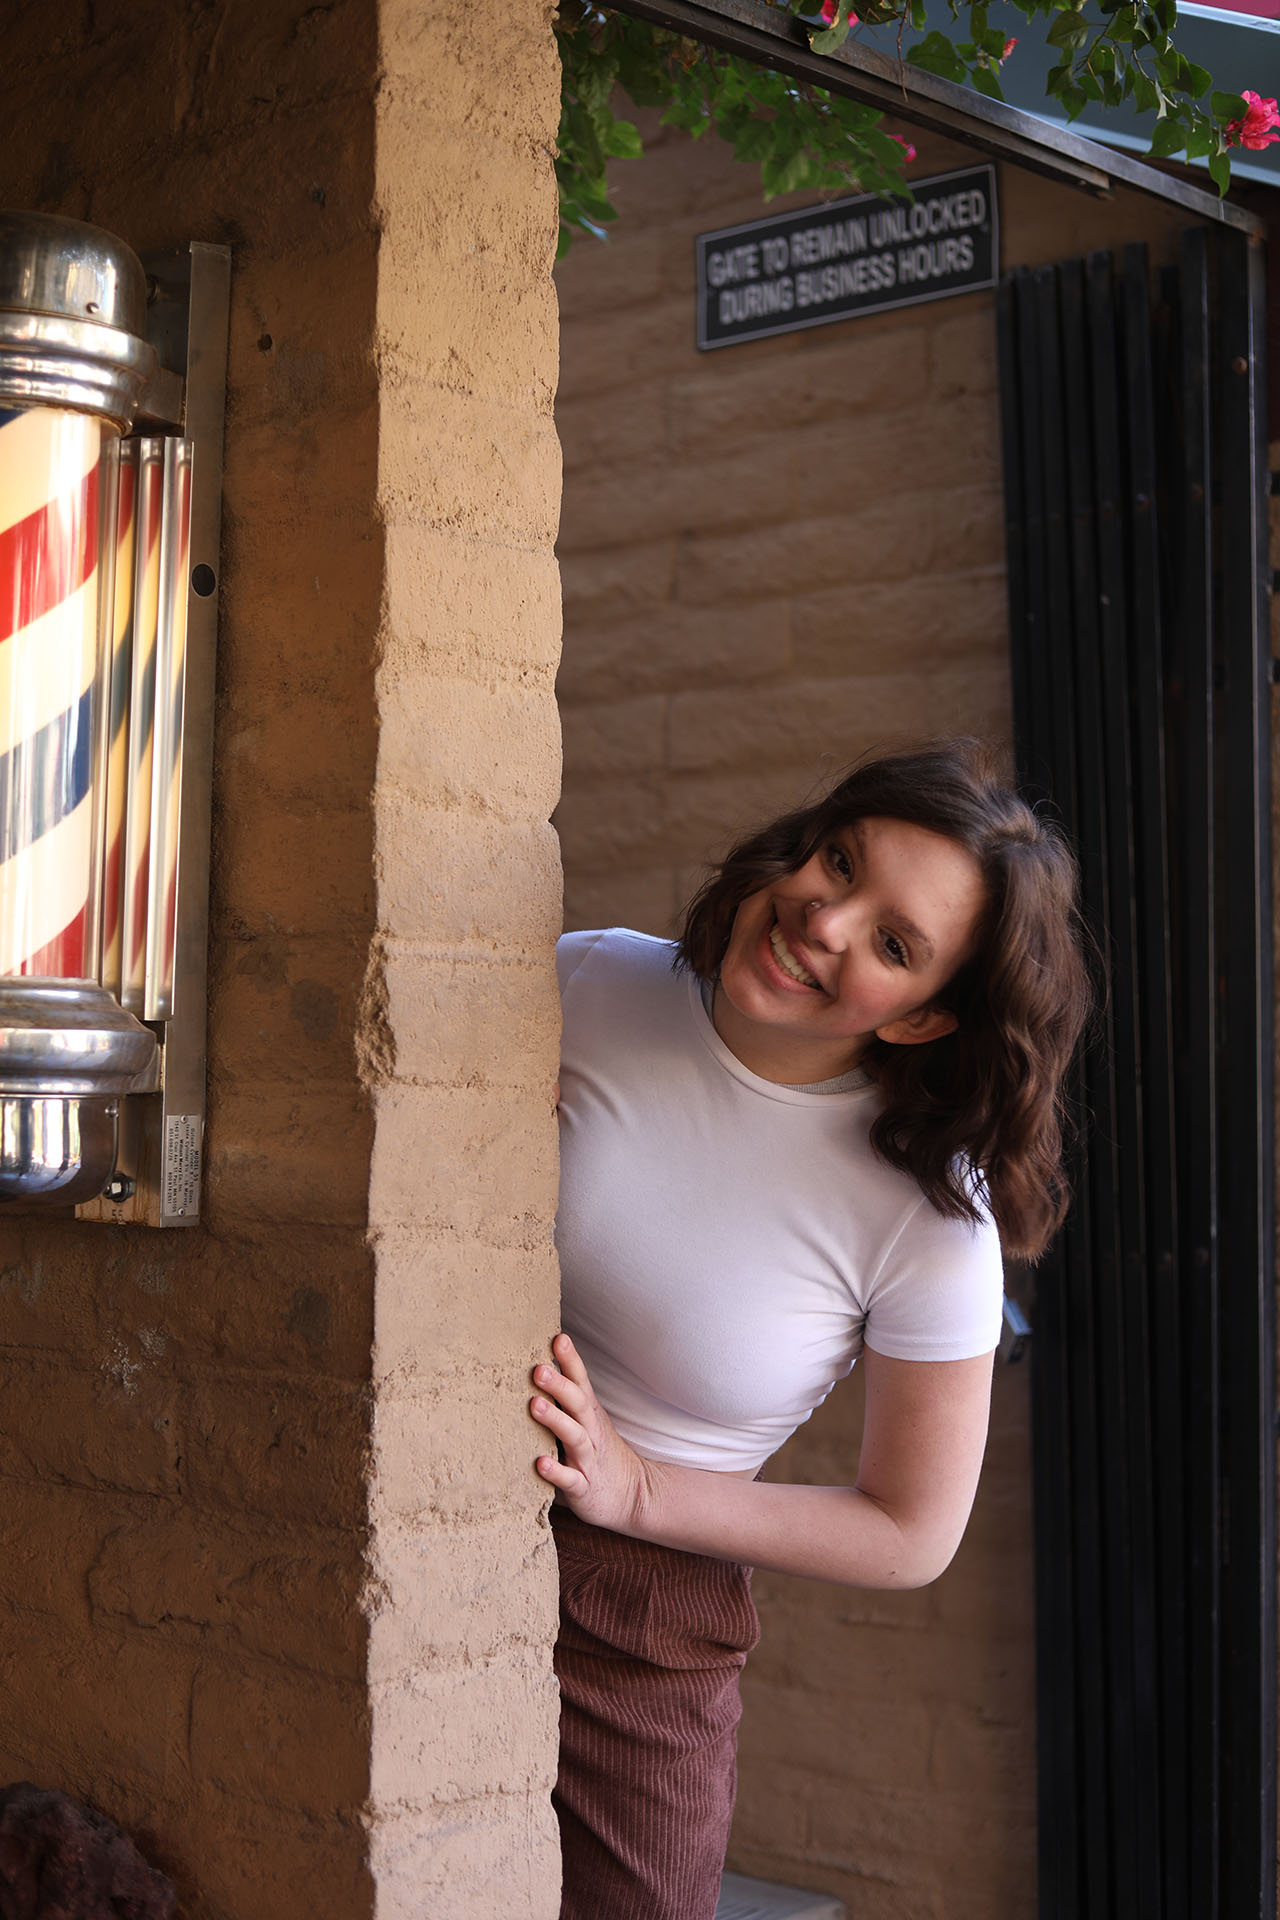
x=825, y=1533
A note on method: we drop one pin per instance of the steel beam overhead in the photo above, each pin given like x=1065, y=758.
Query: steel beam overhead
x=760, y=32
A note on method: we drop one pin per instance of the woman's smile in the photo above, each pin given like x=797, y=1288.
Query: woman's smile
x=788, y=962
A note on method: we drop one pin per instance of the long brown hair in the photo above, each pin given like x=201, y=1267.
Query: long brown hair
x=976, y=1116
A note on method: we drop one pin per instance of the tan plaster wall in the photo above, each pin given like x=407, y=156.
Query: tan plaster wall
x=198, y=1632
x=776, y=556
x=464, y=1172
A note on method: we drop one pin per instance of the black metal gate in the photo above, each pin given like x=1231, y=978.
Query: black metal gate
x=1135, y=477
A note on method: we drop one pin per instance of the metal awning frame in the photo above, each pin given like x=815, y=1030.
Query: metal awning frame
x=763, y=33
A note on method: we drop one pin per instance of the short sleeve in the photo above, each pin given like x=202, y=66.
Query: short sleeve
x=571, y=950
x=939, y=1294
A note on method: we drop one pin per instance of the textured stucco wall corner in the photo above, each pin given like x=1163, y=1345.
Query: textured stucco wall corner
x=461, y=1014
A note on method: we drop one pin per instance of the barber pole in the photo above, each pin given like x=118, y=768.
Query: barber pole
x=170, y=682
x=142, y=708
x=51, y=526
x=118, y=757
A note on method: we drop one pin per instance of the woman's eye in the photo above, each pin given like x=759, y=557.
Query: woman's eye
x=840, y=860
x=895, y=949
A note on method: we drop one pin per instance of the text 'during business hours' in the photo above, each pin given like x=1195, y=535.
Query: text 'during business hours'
x=847, y=257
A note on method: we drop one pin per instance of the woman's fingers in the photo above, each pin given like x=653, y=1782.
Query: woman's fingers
x=570, y=1361
x=565, y=1479
x=566, y=1429
x=558, y=1386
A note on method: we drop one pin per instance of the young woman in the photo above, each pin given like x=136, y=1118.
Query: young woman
x=796, y=1137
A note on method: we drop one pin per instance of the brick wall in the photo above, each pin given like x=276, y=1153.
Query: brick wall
x=776, y=556
x=297, y=1712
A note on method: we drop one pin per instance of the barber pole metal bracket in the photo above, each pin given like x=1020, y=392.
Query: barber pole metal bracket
x=165, y=900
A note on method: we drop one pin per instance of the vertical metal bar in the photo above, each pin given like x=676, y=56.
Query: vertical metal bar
x=1056, y=1773
x=1246, y=1108
x=1095, y=1264
x=1114, y=1333
x=1194, y=1792
x=1146, y=1326
x=1056, y=705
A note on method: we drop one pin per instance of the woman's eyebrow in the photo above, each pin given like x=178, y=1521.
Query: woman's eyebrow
x=919, y=940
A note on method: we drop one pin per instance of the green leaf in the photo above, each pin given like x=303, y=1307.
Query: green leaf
x=1123, y=24
x=827, y=39
x=1220, y=171
x=1198, y=80
x=1145, y=92
x=623, y=142
x=1073, y=100
x=985, y=81
x=1068, y=30
x=1227, y=106
x=1167, y=138
x=936, y=54
x=756, y=140
x=1200, y=141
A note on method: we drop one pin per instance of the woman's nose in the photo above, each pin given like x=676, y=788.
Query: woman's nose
x=824, y=922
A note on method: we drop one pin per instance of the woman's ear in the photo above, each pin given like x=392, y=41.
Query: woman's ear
x=926, y=1023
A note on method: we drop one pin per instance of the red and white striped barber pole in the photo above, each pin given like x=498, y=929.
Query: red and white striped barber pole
x=57, y=477
x=142, y=708
x=166, y=780
x=73, y=364
x=117, y=724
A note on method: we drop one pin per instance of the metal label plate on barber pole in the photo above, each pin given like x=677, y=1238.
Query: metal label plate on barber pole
x=848, y=257
x=181, y=1172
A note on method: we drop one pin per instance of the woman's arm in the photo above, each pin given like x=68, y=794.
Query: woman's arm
x=923, y=1437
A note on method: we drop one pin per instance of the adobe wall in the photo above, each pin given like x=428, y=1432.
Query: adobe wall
x=275, y=1586
x=776, y=556
x=461, y=991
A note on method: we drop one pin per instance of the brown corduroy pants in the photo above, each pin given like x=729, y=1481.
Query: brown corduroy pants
x=651, y=1645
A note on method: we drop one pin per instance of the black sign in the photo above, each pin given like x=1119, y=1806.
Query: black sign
x=860, y=255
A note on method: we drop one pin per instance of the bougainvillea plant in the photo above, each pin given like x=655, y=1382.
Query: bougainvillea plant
x=805, y=139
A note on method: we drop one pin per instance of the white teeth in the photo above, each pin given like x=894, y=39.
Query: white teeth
x=787, y=960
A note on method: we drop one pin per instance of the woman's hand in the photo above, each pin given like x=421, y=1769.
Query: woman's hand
x=599, y=1477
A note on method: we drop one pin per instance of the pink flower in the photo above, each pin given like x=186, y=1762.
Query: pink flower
x=1260, y=125
x=908, y=151
x=1007, y=49
x=830, y=9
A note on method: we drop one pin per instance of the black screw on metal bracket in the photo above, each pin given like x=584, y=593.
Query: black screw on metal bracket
x=119, y=1187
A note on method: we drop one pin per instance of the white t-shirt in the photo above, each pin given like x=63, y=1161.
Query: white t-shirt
x=727, y=1244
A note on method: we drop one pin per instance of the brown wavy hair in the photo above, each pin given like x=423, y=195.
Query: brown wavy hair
x=977, y=1115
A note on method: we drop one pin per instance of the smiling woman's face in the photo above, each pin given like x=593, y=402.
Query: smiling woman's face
x=858, y=941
